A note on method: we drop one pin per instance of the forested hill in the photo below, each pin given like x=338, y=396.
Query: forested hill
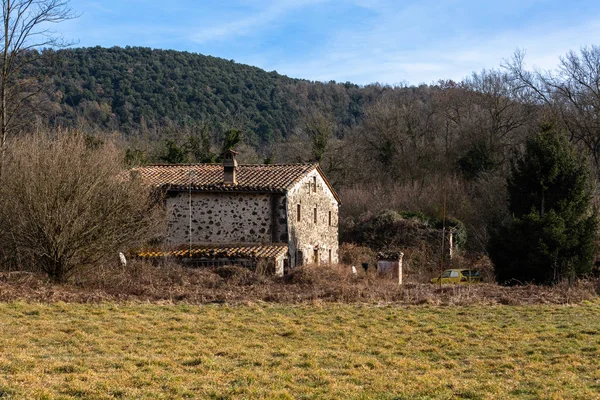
x=134, y=88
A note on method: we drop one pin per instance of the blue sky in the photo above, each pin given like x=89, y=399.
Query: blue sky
x=362, y=41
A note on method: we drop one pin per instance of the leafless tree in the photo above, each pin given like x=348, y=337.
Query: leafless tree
x=319, y=129
x=504, y=108
x=572, y=92
x=66, y=206
x=25, y=30
x=398, y=136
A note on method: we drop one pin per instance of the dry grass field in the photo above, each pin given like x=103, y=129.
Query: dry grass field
x=320, y=350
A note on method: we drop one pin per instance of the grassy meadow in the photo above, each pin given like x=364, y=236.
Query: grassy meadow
x=111, y=350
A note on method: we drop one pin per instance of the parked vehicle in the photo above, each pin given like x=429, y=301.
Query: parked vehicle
x=458, y=276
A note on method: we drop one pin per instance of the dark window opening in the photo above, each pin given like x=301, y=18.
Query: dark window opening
x=329, y=218
x=315, y=215
x=316, y=256
x=299, y=260
x=298, y=216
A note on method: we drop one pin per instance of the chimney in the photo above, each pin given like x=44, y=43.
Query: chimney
x=229, y=167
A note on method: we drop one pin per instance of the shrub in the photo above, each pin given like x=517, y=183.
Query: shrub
x=391, y=230
x=65, y=206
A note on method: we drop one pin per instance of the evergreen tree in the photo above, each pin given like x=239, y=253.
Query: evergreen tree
x=552, y=230
x=477, y=160
x=173, y=154
x=232, y=138
x=199, y=146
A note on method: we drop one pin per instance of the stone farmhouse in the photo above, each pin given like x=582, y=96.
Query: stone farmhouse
x=280, y=215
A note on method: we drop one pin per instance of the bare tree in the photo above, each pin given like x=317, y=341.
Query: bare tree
x=66, y=206
x=319, y=128
x=501, y=115
x=572, y=92
x=398, y=133
x=25, y=30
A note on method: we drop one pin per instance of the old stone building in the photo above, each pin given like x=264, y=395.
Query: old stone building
x=284, y=214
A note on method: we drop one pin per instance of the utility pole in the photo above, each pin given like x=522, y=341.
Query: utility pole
x=191, y=177
x=443, y=236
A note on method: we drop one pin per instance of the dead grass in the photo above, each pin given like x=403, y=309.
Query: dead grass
x=173, y=283
x=148, y=351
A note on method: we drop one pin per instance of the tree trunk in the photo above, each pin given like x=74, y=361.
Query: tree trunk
x=4, y=78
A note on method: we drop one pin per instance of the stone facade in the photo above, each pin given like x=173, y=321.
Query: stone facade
x=225, y=218
x=288, y=213
x=312, y=240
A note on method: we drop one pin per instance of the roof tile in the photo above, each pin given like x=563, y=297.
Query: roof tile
x=209, y=177
x=232, y=251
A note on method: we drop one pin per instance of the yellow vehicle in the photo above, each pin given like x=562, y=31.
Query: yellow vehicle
x=458, y=276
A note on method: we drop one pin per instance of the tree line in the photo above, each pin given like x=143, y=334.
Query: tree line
x=138, y=90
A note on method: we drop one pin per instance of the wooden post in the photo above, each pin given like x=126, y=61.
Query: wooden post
x=400, y=269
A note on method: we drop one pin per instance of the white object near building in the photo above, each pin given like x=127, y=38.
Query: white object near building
x=123, y=259
x=391, y=267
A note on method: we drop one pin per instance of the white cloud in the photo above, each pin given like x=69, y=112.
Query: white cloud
x=267, y=14
x=379, y=53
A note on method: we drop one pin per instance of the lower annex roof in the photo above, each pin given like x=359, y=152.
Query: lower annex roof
x=225, y=251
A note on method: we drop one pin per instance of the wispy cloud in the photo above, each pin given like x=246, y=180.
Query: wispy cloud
x=379, y=53
x=363, y=41
x=258, y=20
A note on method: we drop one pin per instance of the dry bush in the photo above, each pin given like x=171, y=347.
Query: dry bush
x=420, y=264
x=170, y=282
x=425, y=196
x=65, y=205
x=320, y=275
x=478, y=204
x=352, y=254
x=239, y=276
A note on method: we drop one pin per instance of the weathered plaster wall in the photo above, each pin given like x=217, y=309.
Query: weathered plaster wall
x=306, y=235
x=219, y=218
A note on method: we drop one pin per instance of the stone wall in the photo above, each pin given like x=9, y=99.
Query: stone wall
x=306, y=236
x=226, y=218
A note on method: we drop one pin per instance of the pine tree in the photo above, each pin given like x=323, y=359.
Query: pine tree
x=552, y=231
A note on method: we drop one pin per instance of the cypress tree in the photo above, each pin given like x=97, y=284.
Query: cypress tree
x=551, y=233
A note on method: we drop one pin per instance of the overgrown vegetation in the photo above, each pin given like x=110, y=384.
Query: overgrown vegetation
x=170, y=282
x=66, y=205
x=393, y=230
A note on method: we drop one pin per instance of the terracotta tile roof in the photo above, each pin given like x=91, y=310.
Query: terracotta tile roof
x=231, y=251
x=209, y=177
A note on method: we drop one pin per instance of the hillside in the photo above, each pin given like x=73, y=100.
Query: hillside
x=133, y=89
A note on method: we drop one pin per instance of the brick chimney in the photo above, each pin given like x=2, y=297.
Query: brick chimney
x=229, y=167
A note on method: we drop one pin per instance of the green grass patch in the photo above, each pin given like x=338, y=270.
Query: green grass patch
x=108, y=351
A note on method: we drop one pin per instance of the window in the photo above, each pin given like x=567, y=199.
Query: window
x=316, y=256
x=329, y=218
x=314, y=184
x=330, y=259
x=299, y=260
x=315, y=214
x=298, y=214
x=454, y=274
